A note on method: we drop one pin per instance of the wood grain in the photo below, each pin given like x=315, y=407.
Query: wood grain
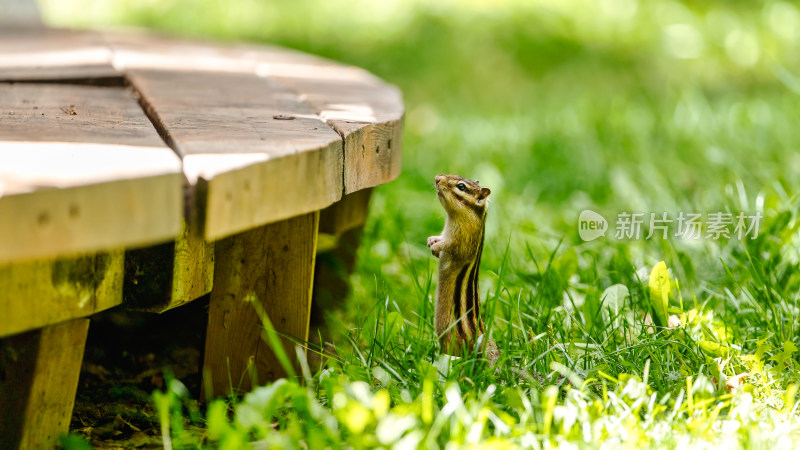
x=81, y=170
x=148, y=51
x=364, y=110
x=40, y=293
x=38, y=53
x=274, y=266
x=348, y=213
x=40, y=372
x=37, y=112
x=373, y=153
x=162, y=277
x=193, y=269
x=258, y=154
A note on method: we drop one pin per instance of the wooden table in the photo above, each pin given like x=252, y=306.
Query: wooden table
x=150, y=171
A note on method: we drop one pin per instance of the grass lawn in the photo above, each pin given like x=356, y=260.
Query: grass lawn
x=559, y=106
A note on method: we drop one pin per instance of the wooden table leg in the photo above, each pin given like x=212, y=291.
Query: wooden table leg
x=274, y=266
x=165, y=276
x=343, y=224
x=38, y=379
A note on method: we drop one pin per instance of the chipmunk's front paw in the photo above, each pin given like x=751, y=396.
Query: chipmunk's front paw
x=435, y=244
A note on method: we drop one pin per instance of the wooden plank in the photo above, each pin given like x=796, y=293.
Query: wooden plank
x=193, y=269
x=40, y=372
x=373, y=153
x=274, y=266
x=81, y=170
x=38, y=53
x=149, y=51
x=165, y=276
x=40, y=293
x=348, y=213
x=364, y=110
x=257, y=153
x=37, y=112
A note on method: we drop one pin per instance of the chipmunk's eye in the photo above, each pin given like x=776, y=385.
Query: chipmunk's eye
x=461, y=186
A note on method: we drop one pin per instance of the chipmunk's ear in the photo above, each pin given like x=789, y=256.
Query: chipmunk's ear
x=484, y=193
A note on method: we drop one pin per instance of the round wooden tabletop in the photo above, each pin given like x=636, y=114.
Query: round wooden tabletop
x=111, y=143
x=112, y=140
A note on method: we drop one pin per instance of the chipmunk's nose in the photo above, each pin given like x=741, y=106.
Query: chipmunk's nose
x=438, y=179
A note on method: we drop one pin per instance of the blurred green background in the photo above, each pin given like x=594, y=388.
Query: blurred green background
x=557, y=105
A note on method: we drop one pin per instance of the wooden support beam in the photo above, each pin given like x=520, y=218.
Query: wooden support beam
x=272, y=266
x=348, y=213
x=40, y=293
x=344, y=221
x=165, y=276
x=38, y=379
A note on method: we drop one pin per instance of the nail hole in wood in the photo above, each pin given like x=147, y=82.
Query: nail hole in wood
x=43, y=219
x=389, y=144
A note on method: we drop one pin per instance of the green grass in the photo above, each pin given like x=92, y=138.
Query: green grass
x=558, y=106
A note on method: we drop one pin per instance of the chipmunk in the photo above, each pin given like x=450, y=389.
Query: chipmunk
x=459, y=250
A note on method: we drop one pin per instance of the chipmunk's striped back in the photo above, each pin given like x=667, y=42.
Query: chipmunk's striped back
x=466, y=299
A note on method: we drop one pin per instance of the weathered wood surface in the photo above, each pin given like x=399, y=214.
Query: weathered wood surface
x=38, y=53
x=362, y=110
x=257, y=153
x=246, y=119
x=39, y=371
x=272, y=266
x=81, y=170
x=146, y=51
x=36, y=294
x=348, y=213
x=165, y=276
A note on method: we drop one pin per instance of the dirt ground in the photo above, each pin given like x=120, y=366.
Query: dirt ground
x=128, y=356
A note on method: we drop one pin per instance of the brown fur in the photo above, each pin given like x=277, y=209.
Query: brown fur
x=459, y=249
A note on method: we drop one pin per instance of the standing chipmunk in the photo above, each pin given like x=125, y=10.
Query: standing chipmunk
x=459, y=251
